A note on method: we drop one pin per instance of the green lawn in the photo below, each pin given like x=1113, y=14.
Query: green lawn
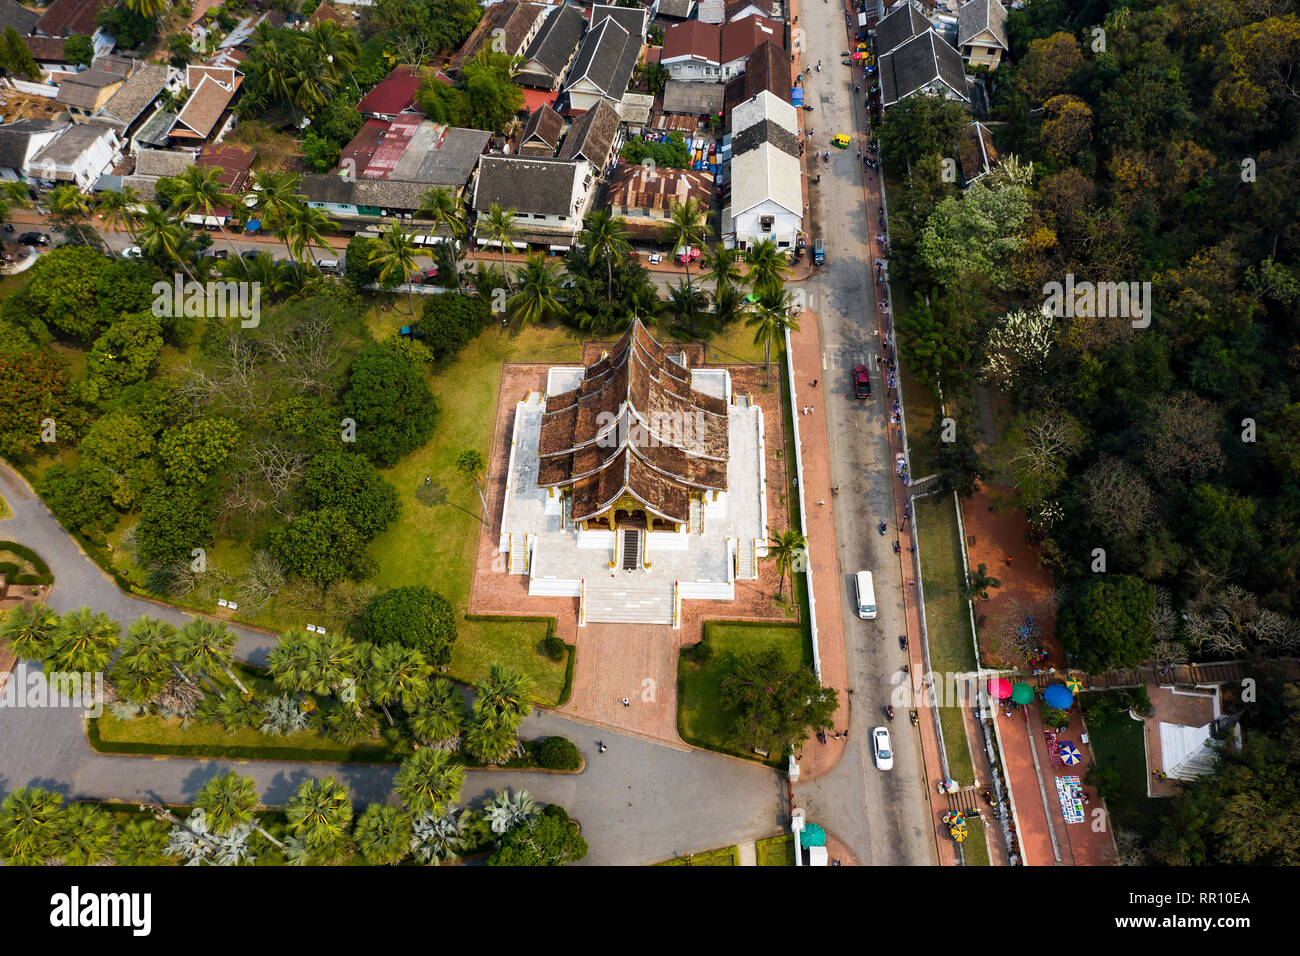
x=701, y=720
x=1118, y=743
x=946, y=617
x=776, y=851
x=4, y=509
x=976, y=847
x=724, y=856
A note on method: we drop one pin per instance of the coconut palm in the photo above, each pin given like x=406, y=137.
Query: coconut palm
x=769, y=319
x=539, y=287
x=437, y=837
x=30, y=634
x=507, y=810
x=304, y=229
x=206, y=645
x=729, y=304
x=767, y=268
x=121, y=208
x=447, y=210
x=320, y=813
x=148, y=8
x=438, y=716
x=162, y=238
x=722, y=267
x=332, y=48
x=72, y=207
x=228, y=801
x=685, y=231
x=396, y=674
x=86, y=835
x=491, y=740
x=141, y=842
x=605, y=238
x=685, y=302
x=428, y=782
x=395, y=257
x=84, y=641
x=31, y=824
x=199, y=192
x=383, y=834
x=499, y=227
x=270, y=68
x=277, y=195
x=12, y=195
x=786, y=549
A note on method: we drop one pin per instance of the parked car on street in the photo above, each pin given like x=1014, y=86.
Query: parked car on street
x=332, y=267
x=132, y=252
x=656, y=258
x=861, y=382
x=881, y=749
x=34, y=239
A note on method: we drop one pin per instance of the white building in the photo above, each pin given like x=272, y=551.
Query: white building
x=766, y=196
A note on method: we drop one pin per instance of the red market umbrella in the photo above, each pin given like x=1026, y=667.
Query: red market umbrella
x=999, y=688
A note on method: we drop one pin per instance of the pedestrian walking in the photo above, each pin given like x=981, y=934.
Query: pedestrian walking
x=626, y=702
x=814, y=384
x=822, y=502
x=811, y=409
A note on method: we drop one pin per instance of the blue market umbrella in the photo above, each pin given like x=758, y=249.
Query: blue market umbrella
x=1058, y=696
x=1070, y=753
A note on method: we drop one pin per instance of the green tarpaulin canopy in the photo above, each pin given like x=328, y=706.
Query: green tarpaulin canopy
x=1022, y=693
x=812, y=835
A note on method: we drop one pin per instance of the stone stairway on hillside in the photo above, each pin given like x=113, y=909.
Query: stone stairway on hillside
x=630, y=600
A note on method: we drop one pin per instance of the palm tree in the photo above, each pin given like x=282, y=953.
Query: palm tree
x=472, y=466
x=396, y=674
x=200, y=191
x=270, y=68
x=490, y=741
x=141, y=843
x=162, y=238
x=767, y=267
x=332, y=662
x=786, y=549
x=31, y=824
x=84, y=641
x=320, y=814
x=30, y=634
x=73, y=207
x=685, y=231
x=332, y=47
x=12, y=194
x=605, y=238
x=507, y=810
x=287, y=661
x=304, y=229
x=685, y=302
x=437, y=837
x=503, y=692
x=722, y=267
x=770, y=318
x=120, y=209
x=229, y=801
x=148, y=8
x=383, y=834
x=277, y=195
x=729, y=304
x=500, y=228
x=539, y=288
x=146, y=658
x=428, y=782
x=437, y=717
x=86, y=835
x=204, y=645
x=395, y=256
x=447, y=209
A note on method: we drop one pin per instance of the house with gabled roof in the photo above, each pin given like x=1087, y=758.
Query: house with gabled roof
x=67, y=18
x=766, y=69
x=201, y=115
x=924, y=64
x=392, y=95
x=766, y=198
x=674, y=9
x=127, y=109
x=542, y=133
x=594, y=137
x=22, y=19
x=631, y=19
x=23, y=139
x=739, y=9
x=691, y=50
x=900, y=25
x=982, y=33
x=742, y=37
x=86, y=92
x=553, y=49
x=549, y=198
x=80, y=154
x=604, y=65
x=507, y=27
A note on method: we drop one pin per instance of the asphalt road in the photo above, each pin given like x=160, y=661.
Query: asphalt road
x=883, y=816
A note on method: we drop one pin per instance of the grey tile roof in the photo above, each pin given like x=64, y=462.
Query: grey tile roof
x=592, y=136
x=677, y=9
x=631, y=19
x=766, y=131
x=137, y=93
x=162, y=162
x=15, y=139
x=146, y=187
x=904, y=23
x=694, y=98
x=979, y=15
x=526, y=184
x=606, y=58
x=83, y=89
x=156, y=130
x=544, y=128
x=921, y=61
x=70, y=145
x=554, y=44
x=13, y=14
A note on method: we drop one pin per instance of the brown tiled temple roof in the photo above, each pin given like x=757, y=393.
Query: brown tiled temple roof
x=635, y=427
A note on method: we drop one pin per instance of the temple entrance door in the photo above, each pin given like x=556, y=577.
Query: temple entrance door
x=629, y=519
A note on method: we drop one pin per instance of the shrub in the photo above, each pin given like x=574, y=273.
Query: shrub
x=414, y=616
x=554, y=647
x=558, y=753
x=701, y=652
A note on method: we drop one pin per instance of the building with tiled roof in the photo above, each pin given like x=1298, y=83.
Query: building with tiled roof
x=507, y=27
x=924, y=64
x=594, y=137
x=542, y=132
x=767, y=69
x=549, y=198
x=202, y=112
x=982, y=33
x=553, y=48
x=65, y=18
x=393, y=95
x=742, y=37
x=604, y=65
x=643, y=196
x=691, y=49
x=20, y=18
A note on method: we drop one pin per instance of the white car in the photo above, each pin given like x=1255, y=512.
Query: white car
x=881, y=749
x=655, y=259
x=132, y=252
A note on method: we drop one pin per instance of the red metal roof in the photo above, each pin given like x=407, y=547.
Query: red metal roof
x=699, y=41
x=740, y=38
x=393, y=94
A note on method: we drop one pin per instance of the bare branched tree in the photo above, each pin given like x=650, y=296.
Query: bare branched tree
x=1181, y=437
x=1119, y=499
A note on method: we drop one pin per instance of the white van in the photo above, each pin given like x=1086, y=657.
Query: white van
x=866, y=595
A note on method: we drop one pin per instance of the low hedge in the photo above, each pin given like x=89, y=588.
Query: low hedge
x=10, y=569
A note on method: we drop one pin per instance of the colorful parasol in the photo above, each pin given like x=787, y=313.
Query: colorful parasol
x=1074, y=685
x=1022, y=693
x=1057, y=696
x=1069, y=753
x=999, y=688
